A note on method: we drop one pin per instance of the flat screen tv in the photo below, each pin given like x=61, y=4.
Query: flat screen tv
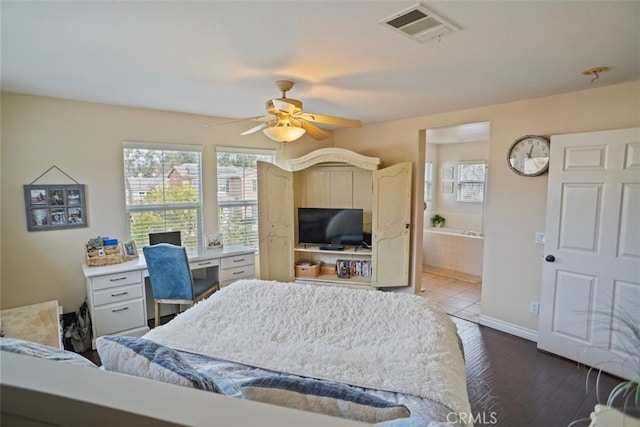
x=330, y=228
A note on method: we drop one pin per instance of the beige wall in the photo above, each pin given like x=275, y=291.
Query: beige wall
x=516, y=205
x=85, y=140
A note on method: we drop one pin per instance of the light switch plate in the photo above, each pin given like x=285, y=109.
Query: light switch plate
x=534, y=307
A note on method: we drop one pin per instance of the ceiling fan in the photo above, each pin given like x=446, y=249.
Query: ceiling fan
x=285, y=120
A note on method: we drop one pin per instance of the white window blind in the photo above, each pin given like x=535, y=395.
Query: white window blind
x=163, y=191
x=238, y=194
x=471, y=179
x=428, y=181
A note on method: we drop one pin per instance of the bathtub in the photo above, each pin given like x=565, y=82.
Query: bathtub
x=453, y=249
x=465, y=233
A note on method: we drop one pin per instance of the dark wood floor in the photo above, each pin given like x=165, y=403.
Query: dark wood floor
x=512, y=384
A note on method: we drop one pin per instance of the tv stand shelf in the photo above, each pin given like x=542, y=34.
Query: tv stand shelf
x=349, y=253
x=348, y=250
x=331, y=279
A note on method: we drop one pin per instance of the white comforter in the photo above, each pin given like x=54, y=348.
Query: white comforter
x=381, y=340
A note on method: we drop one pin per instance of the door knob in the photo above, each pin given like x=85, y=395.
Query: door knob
x=550, y=258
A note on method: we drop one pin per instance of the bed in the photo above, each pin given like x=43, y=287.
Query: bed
x=377, y=357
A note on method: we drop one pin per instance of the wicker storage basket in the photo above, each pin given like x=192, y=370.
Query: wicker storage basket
x=105, y=255
x=327, y=268
x=308, y=268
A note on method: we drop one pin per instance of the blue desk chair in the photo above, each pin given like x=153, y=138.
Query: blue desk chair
x=171, y=278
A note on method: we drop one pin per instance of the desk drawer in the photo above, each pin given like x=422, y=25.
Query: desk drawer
x=119, y=317
x=237, y=261
x=115, y=295
x=242, y=272
x=206, y=263
x=116, y=279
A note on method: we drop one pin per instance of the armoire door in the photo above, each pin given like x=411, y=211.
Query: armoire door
x=591, y=273
x=275, y=222
x=391, y=226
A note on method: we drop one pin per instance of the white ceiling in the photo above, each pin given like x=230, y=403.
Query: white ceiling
x=221, y=58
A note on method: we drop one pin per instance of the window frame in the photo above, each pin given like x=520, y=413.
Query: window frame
x=249, y=204
x=428, y=181
x=461, y=184
x=166, y=206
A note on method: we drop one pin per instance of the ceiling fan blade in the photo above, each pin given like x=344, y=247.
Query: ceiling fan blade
x=314, y=131
x=283, y=106
x=255, y=129
x=258, y=118
x=265, y=118
x=330, y=120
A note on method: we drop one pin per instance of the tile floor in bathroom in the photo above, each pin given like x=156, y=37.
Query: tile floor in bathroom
x=457, y=293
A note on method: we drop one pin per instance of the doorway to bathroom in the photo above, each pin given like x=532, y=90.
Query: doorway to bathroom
x=453, y=235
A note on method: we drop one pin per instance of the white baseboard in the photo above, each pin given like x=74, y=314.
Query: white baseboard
x=510, y=328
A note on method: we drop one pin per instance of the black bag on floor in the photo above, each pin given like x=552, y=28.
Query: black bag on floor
x=79, y=330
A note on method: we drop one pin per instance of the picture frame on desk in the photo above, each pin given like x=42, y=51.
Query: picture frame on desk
x=214, y=241
x=130, y=249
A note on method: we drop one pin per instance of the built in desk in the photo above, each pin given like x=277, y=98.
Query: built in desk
x=117, y=294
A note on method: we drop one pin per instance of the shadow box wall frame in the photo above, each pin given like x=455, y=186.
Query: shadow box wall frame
x=55, y=206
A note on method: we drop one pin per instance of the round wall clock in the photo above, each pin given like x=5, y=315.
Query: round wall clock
x=529, y=155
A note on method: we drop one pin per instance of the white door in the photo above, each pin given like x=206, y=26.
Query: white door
x=391, y=224
x=591, y=274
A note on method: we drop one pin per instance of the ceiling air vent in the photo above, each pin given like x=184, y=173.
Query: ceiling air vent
x=419, y=23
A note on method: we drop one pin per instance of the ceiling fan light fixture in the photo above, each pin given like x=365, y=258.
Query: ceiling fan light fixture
x=284, y=132
x=285, y=121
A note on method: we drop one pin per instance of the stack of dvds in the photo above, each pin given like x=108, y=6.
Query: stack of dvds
x=346, y=268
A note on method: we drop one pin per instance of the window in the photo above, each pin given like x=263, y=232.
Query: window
x=471, y=177
x=163, y=191
x=428, y=181
x=223, y=185
x=238, y=198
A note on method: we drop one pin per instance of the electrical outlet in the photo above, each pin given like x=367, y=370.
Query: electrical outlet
x=534, y=307
x=540, y=238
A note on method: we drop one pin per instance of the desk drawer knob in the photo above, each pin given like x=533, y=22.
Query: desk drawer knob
x=117, y=279
x=238, y=260
x=120, y=309
x=238, y=272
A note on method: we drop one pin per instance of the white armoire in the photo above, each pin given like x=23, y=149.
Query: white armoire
x=336, y=178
